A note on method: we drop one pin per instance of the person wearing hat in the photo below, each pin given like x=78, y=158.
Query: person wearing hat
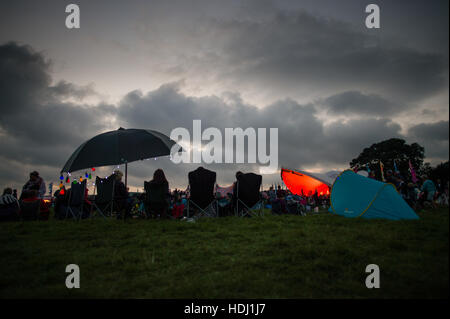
x=35, y=184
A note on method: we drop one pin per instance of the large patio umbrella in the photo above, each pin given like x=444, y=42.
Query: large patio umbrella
x=119, y=147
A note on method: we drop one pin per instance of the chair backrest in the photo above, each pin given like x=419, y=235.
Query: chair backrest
x=29, y=210
x=105, y=190
x=201, y=183
x=77, y=194
x=248, y=186
x=155, y=193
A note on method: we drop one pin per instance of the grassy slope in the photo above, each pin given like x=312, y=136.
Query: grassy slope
x=318, y=256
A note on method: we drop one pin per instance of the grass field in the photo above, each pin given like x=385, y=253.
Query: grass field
x=317, y=256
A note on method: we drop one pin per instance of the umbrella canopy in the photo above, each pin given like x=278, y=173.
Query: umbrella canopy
x=119, y=147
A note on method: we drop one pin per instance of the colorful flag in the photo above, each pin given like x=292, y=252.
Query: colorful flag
x=395, y=167
x=382, y=171
x=413, y=173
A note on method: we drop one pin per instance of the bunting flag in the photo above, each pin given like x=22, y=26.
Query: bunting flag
x=413, y=173
x=395, y=167
x=382, y=171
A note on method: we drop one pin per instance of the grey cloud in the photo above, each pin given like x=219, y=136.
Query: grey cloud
x=434, y=136
x=347, y=139
x=355, y=102
x=23, y=77
x=294, y=53
x=37, y=127
x=64, y=89
x=431, y=131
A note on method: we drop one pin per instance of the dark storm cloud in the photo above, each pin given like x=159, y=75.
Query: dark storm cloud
x=37, y=127
x=346, y=140
x=23, y=77
x=297, y=51
x=355, y=102
x=434, y=136
x=64, y=89
x=433, y=131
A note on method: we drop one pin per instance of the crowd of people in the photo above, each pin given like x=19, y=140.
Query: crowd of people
x=32, y=192
x=422, y=193
x=174, y=204
x=283, y=201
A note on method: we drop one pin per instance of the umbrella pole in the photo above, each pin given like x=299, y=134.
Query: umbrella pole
x=126, y=173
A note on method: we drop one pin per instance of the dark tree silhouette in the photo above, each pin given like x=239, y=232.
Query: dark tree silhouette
x=387, y=151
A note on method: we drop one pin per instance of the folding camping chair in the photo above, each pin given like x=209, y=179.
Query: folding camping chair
x=104, y=199
x=156, y=199
x=9, y=212
x=248, y=200
x=76, y=200
x=202, y=200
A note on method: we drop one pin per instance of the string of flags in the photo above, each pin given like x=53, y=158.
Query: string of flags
x=395, y=167
x=382, y=171
x=87, y=176
x=413, y=173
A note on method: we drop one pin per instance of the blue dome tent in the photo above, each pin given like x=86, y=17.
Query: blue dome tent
x=353, y=195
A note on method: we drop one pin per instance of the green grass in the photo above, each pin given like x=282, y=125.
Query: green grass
x=317, y=256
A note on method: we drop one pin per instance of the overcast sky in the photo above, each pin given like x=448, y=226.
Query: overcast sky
x=309, y=68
